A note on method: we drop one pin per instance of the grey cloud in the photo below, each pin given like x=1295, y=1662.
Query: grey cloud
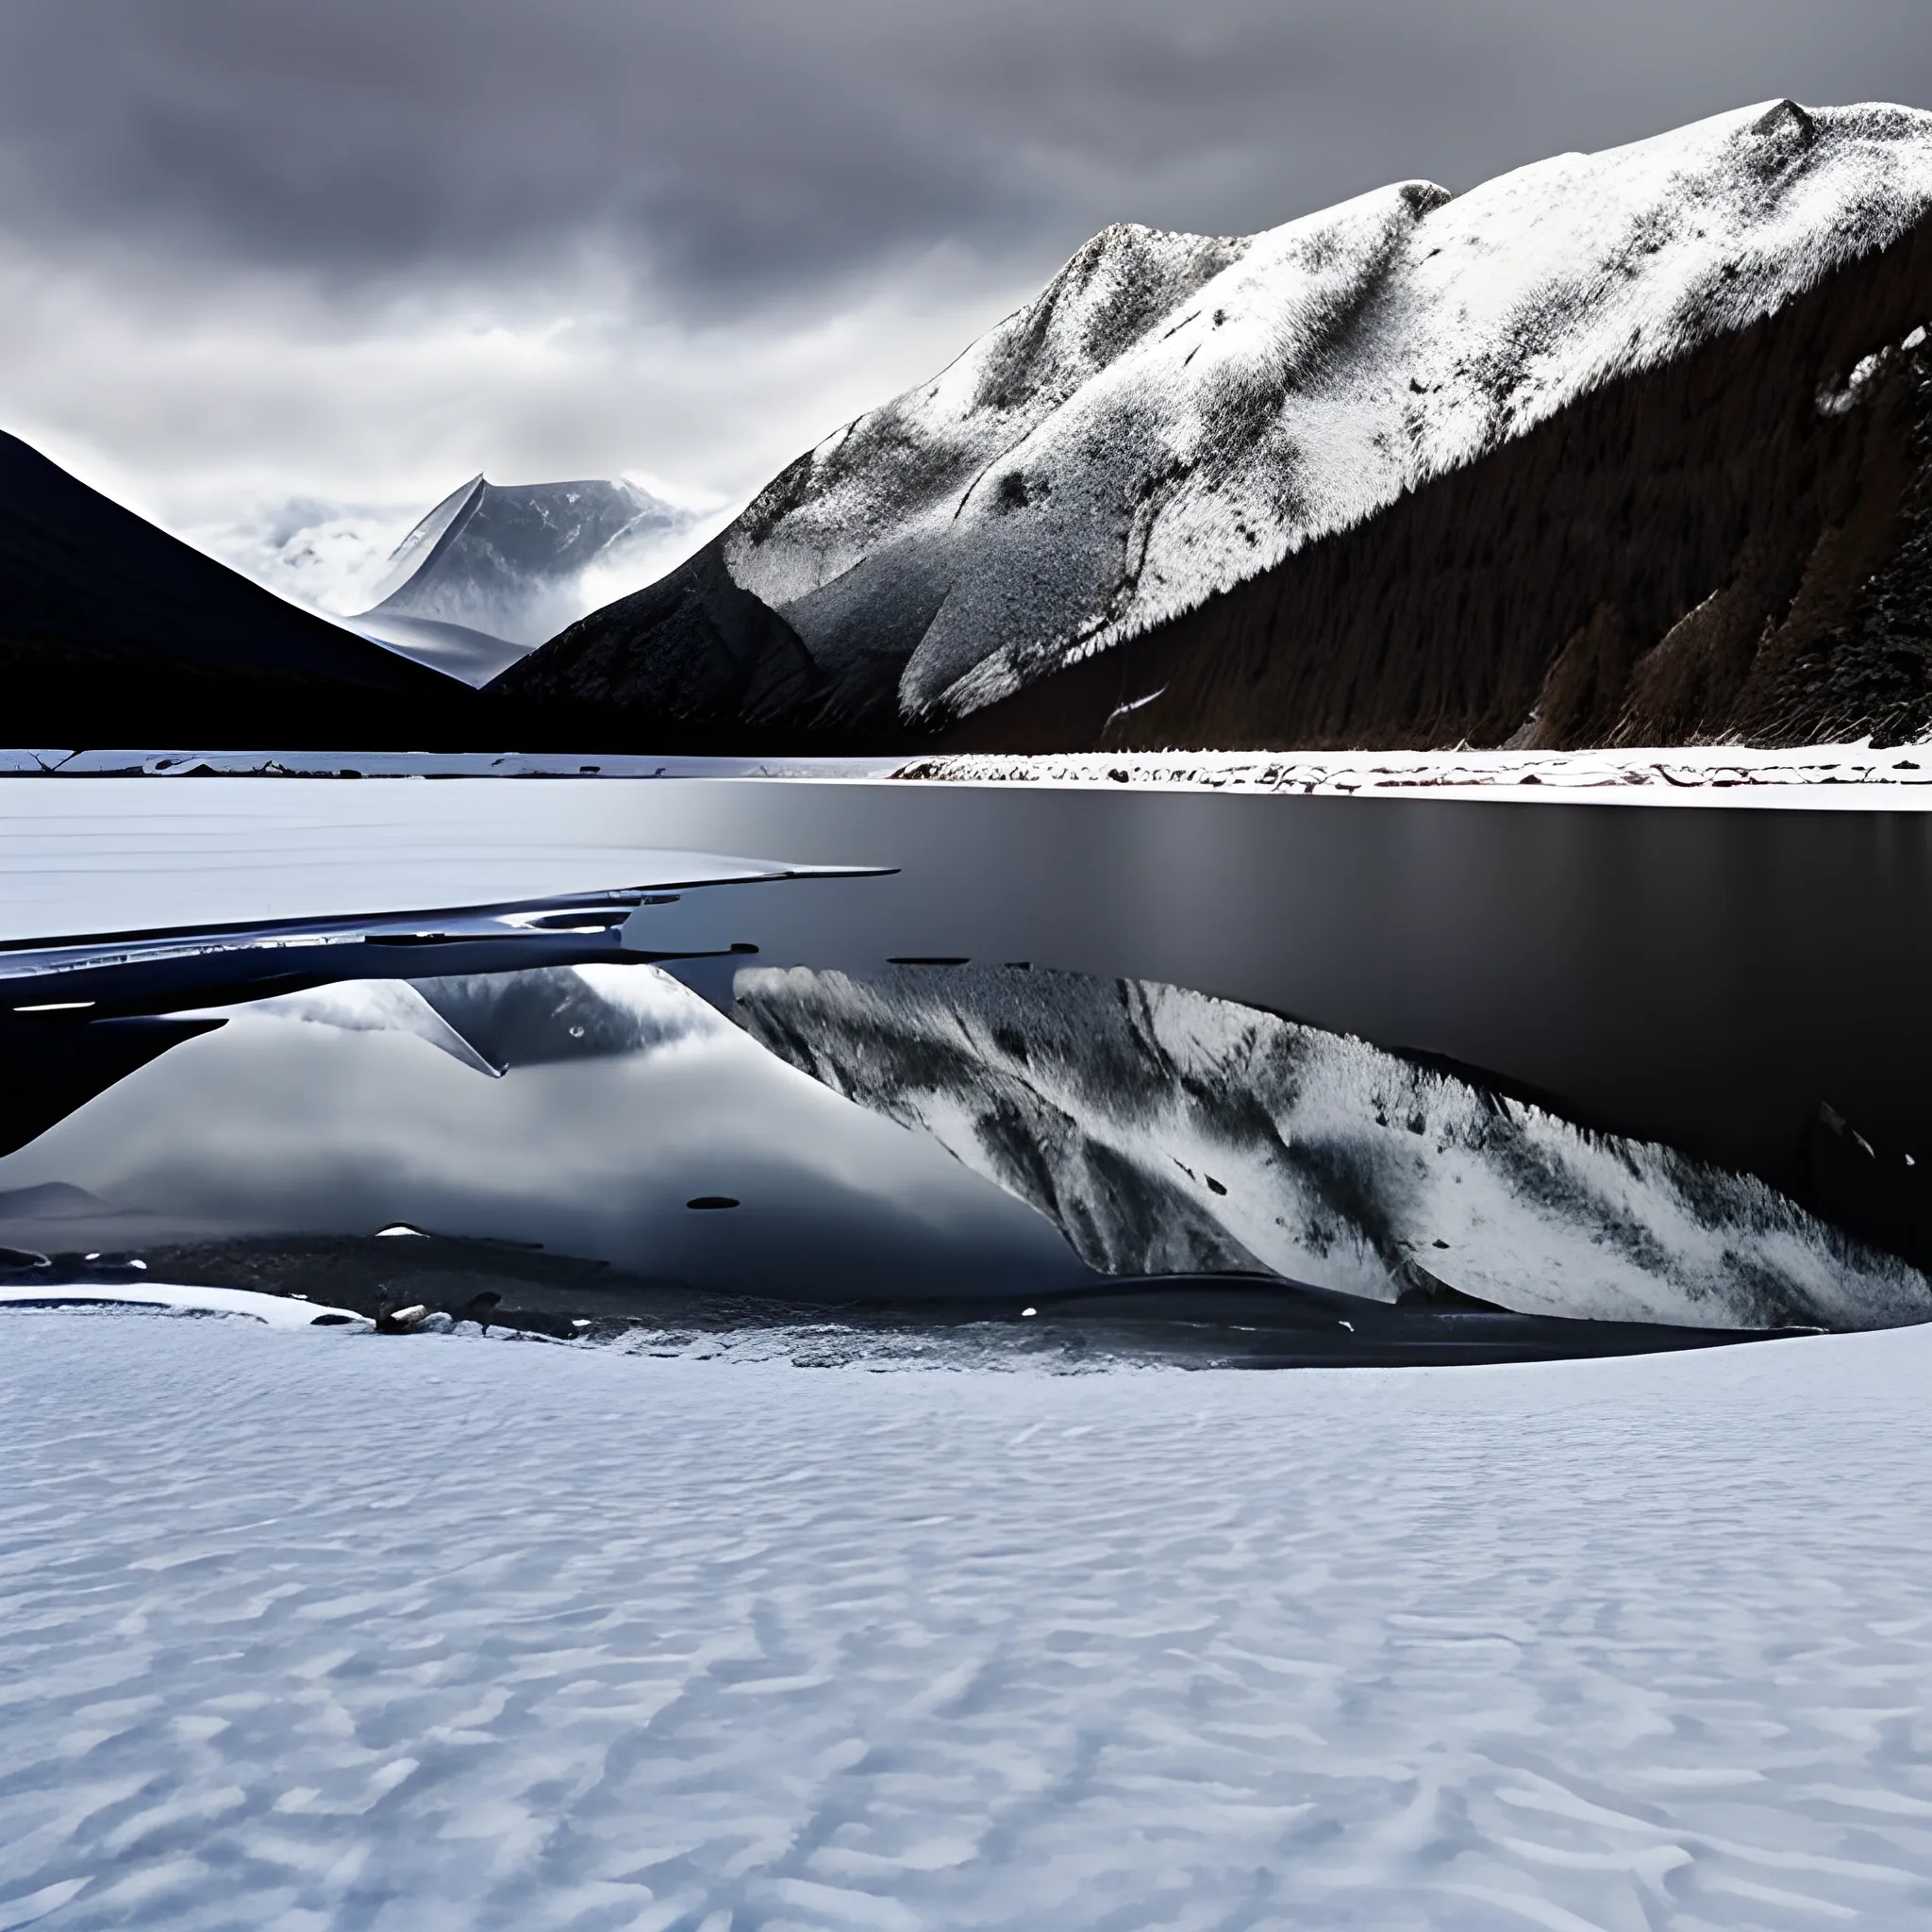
x=252, y=250
x=740, y=152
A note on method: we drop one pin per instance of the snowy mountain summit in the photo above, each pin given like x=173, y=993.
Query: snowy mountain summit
x=493, y=569
x=1179, y=415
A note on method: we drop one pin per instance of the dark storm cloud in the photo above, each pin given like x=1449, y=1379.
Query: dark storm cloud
x=750, y=150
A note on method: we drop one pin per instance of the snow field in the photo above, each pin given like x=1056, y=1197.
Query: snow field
x=313, y=1631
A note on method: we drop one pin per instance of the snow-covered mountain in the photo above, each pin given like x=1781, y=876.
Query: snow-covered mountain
x=490, y=572
x=1179, y=415
x=516, y=564
x=1165, y=1131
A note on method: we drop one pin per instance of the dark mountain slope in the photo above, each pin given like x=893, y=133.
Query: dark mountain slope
x=722, y=673
x=112, y=631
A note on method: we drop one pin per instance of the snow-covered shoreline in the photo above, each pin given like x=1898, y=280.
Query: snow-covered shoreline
x=1775, y=776
x=1896, y=776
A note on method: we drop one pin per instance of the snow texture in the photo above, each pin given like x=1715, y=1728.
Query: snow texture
x=1178, y=413
x=177, y=1298
x=1165, y=1131
x=446, y=1634
x=1825, y=775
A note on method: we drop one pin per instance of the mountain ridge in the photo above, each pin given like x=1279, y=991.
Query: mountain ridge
x=1176, y=416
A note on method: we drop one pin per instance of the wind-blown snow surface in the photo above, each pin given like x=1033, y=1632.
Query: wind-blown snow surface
x=1165, y=1131
x=308, y=1632
x=1178, y=412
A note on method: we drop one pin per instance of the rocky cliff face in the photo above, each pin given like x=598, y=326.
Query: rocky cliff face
x=1412, y=470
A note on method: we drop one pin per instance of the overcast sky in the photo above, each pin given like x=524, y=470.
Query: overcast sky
x=359, y=249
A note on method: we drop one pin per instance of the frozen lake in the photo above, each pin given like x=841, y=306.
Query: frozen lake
x=1701, y=975
x=1704, y=977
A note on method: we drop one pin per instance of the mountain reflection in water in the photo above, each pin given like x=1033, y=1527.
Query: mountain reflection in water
x=529, y=1148
x=621, y=1098
x=589, y=1143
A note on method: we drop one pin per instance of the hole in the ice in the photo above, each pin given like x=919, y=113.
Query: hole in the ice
x=712, y=1201
x=331, y=1321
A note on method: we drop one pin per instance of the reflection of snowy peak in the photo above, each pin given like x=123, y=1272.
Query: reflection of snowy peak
x=1165, y=1131
x=491, y=1021
x=1176, y=414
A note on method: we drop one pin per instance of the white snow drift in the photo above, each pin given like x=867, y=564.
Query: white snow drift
x=444, y=1635
x=1178, y=412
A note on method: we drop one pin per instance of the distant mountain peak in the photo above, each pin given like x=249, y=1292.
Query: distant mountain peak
x=507, y=559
